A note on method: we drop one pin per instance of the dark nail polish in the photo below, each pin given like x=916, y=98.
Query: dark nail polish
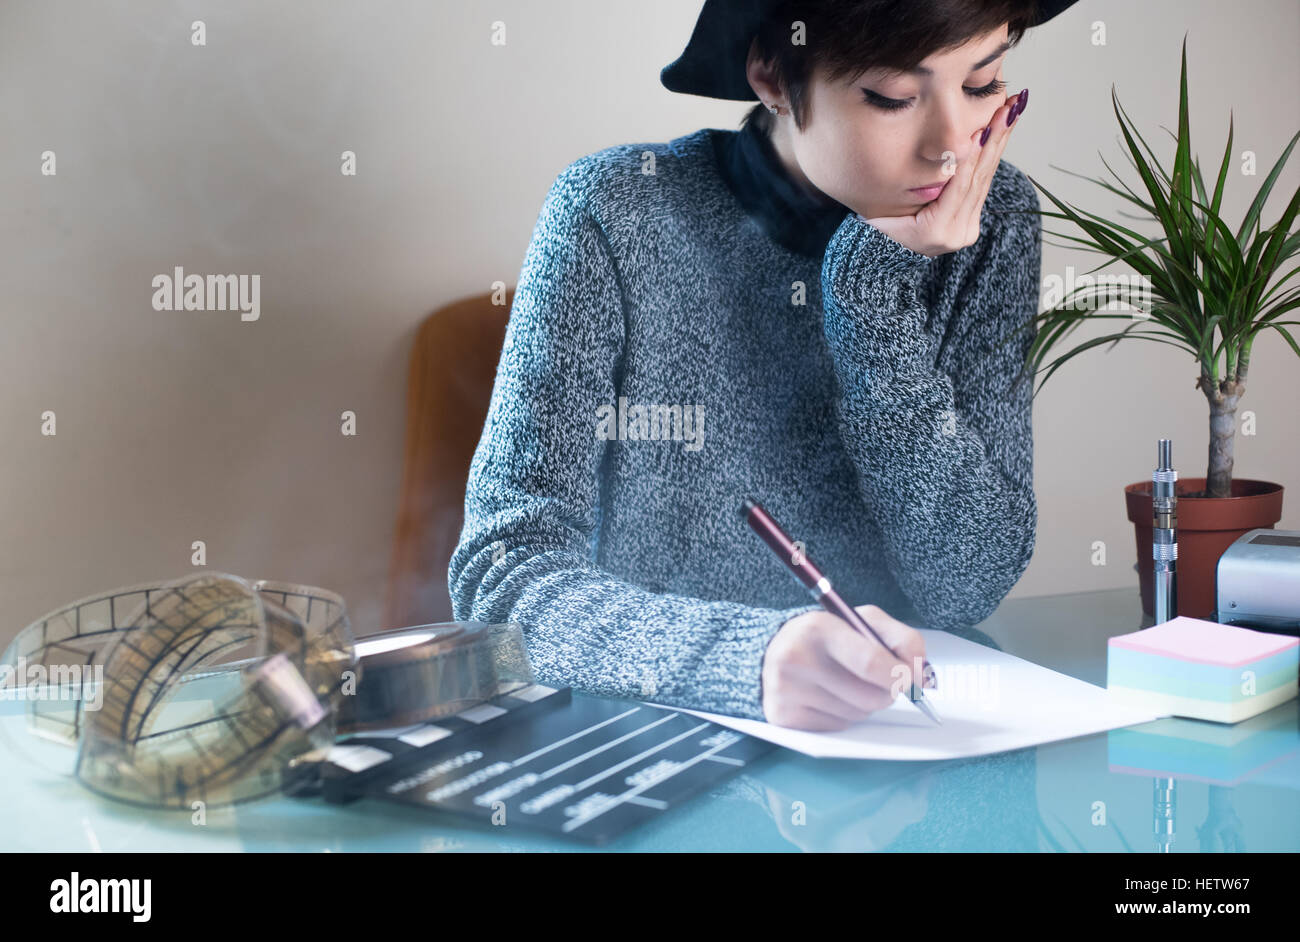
x=1021, y=101
x=984, y=137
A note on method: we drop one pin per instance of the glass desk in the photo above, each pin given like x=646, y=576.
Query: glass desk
x=1226, y=788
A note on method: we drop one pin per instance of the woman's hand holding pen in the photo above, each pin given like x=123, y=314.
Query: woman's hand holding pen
x=819, y=673
x=952, y=220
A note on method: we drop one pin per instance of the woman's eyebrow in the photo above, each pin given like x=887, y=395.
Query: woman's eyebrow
x=922, y=70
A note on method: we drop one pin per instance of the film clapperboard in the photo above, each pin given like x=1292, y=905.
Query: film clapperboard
x=584, y=768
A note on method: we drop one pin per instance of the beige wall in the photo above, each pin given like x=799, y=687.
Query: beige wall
x=181, y=426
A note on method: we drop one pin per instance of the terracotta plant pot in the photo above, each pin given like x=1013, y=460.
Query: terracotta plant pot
x=1207, y=526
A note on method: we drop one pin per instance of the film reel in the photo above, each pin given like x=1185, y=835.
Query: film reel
x=211, y=688
x=414, y=675
x=120, y=671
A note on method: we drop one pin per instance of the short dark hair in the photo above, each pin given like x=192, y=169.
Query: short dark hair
x=846, y=37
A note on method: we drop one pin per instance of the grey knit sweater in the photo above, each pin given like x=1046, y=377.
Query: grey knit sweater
x=666, y=358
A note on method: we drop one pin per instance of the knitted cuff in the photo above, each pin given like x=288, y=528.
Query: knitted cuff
x=874, y=319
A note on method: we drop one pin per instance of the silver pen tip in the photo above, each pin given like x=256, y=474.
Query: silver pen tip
x=924, y=706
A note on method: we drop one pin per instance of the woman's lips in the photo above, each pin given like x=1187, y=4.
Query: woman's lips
x=928, y=193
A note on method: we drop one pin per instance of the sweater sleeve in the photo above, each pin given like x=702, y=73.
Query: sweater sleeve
x=945, y=461
x=533, y=495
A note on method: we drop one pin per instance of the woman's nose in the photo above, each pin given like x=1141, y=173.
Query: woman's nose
x=946, y=136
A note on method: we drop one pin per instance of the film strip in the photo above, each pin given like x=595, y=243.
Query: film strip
x=418, y=674
x=211, y=688
x=116, y=676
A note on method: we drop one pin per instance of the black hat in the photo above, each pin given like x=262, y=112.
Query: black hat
x=713, y=63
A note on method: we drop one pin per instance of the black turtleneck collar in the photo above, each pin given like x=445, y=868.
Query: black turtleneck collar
x=800, y=221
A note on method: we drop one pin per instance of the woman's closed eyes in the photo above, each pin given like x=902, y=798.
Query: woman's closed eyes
x=898, y=104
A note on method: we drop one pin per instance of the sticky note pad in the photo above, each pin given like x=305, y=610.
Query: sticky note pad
x=1202, y=669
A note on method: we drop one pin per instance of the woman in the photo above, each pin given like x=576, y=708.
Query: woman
x=779, y=312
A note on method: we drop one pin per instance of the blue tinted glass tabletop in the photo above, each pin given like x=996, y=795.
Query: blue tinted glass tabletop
x=1176, y=785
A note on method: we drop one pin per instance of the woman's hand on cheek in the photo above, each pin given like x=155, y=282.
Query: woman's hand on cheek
x=952, y=221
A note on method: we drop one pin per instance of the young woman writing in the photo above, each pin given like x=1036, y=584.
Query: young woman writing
x=806, y=311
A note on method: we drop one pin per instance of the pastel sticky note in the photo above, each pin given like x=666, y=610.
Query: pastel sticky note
x=1202, y=669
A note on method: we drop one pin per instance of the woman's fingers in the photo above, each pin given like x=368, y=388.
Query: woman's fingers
x=968, y=214
x=866, y=659
x=946, y=209
x=825, y=699
x=829, y=691
x=849, y=685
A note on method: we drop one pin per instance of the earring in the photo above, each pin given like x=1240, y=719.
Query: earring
x=775, y=109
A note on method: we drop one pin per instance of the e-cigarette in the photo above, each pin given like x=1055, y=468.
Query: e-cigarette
x=1164, y=533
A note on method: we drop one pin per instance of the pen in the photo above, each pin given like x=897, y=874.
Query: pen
x=1164, y=532
x=820, y=587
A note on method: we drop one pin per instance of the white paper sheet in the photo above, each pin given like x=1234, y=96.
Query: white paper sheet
x=989, y=702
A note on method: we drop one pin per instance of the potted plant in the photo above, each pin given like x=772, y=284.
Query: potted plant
x=1202, y=287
